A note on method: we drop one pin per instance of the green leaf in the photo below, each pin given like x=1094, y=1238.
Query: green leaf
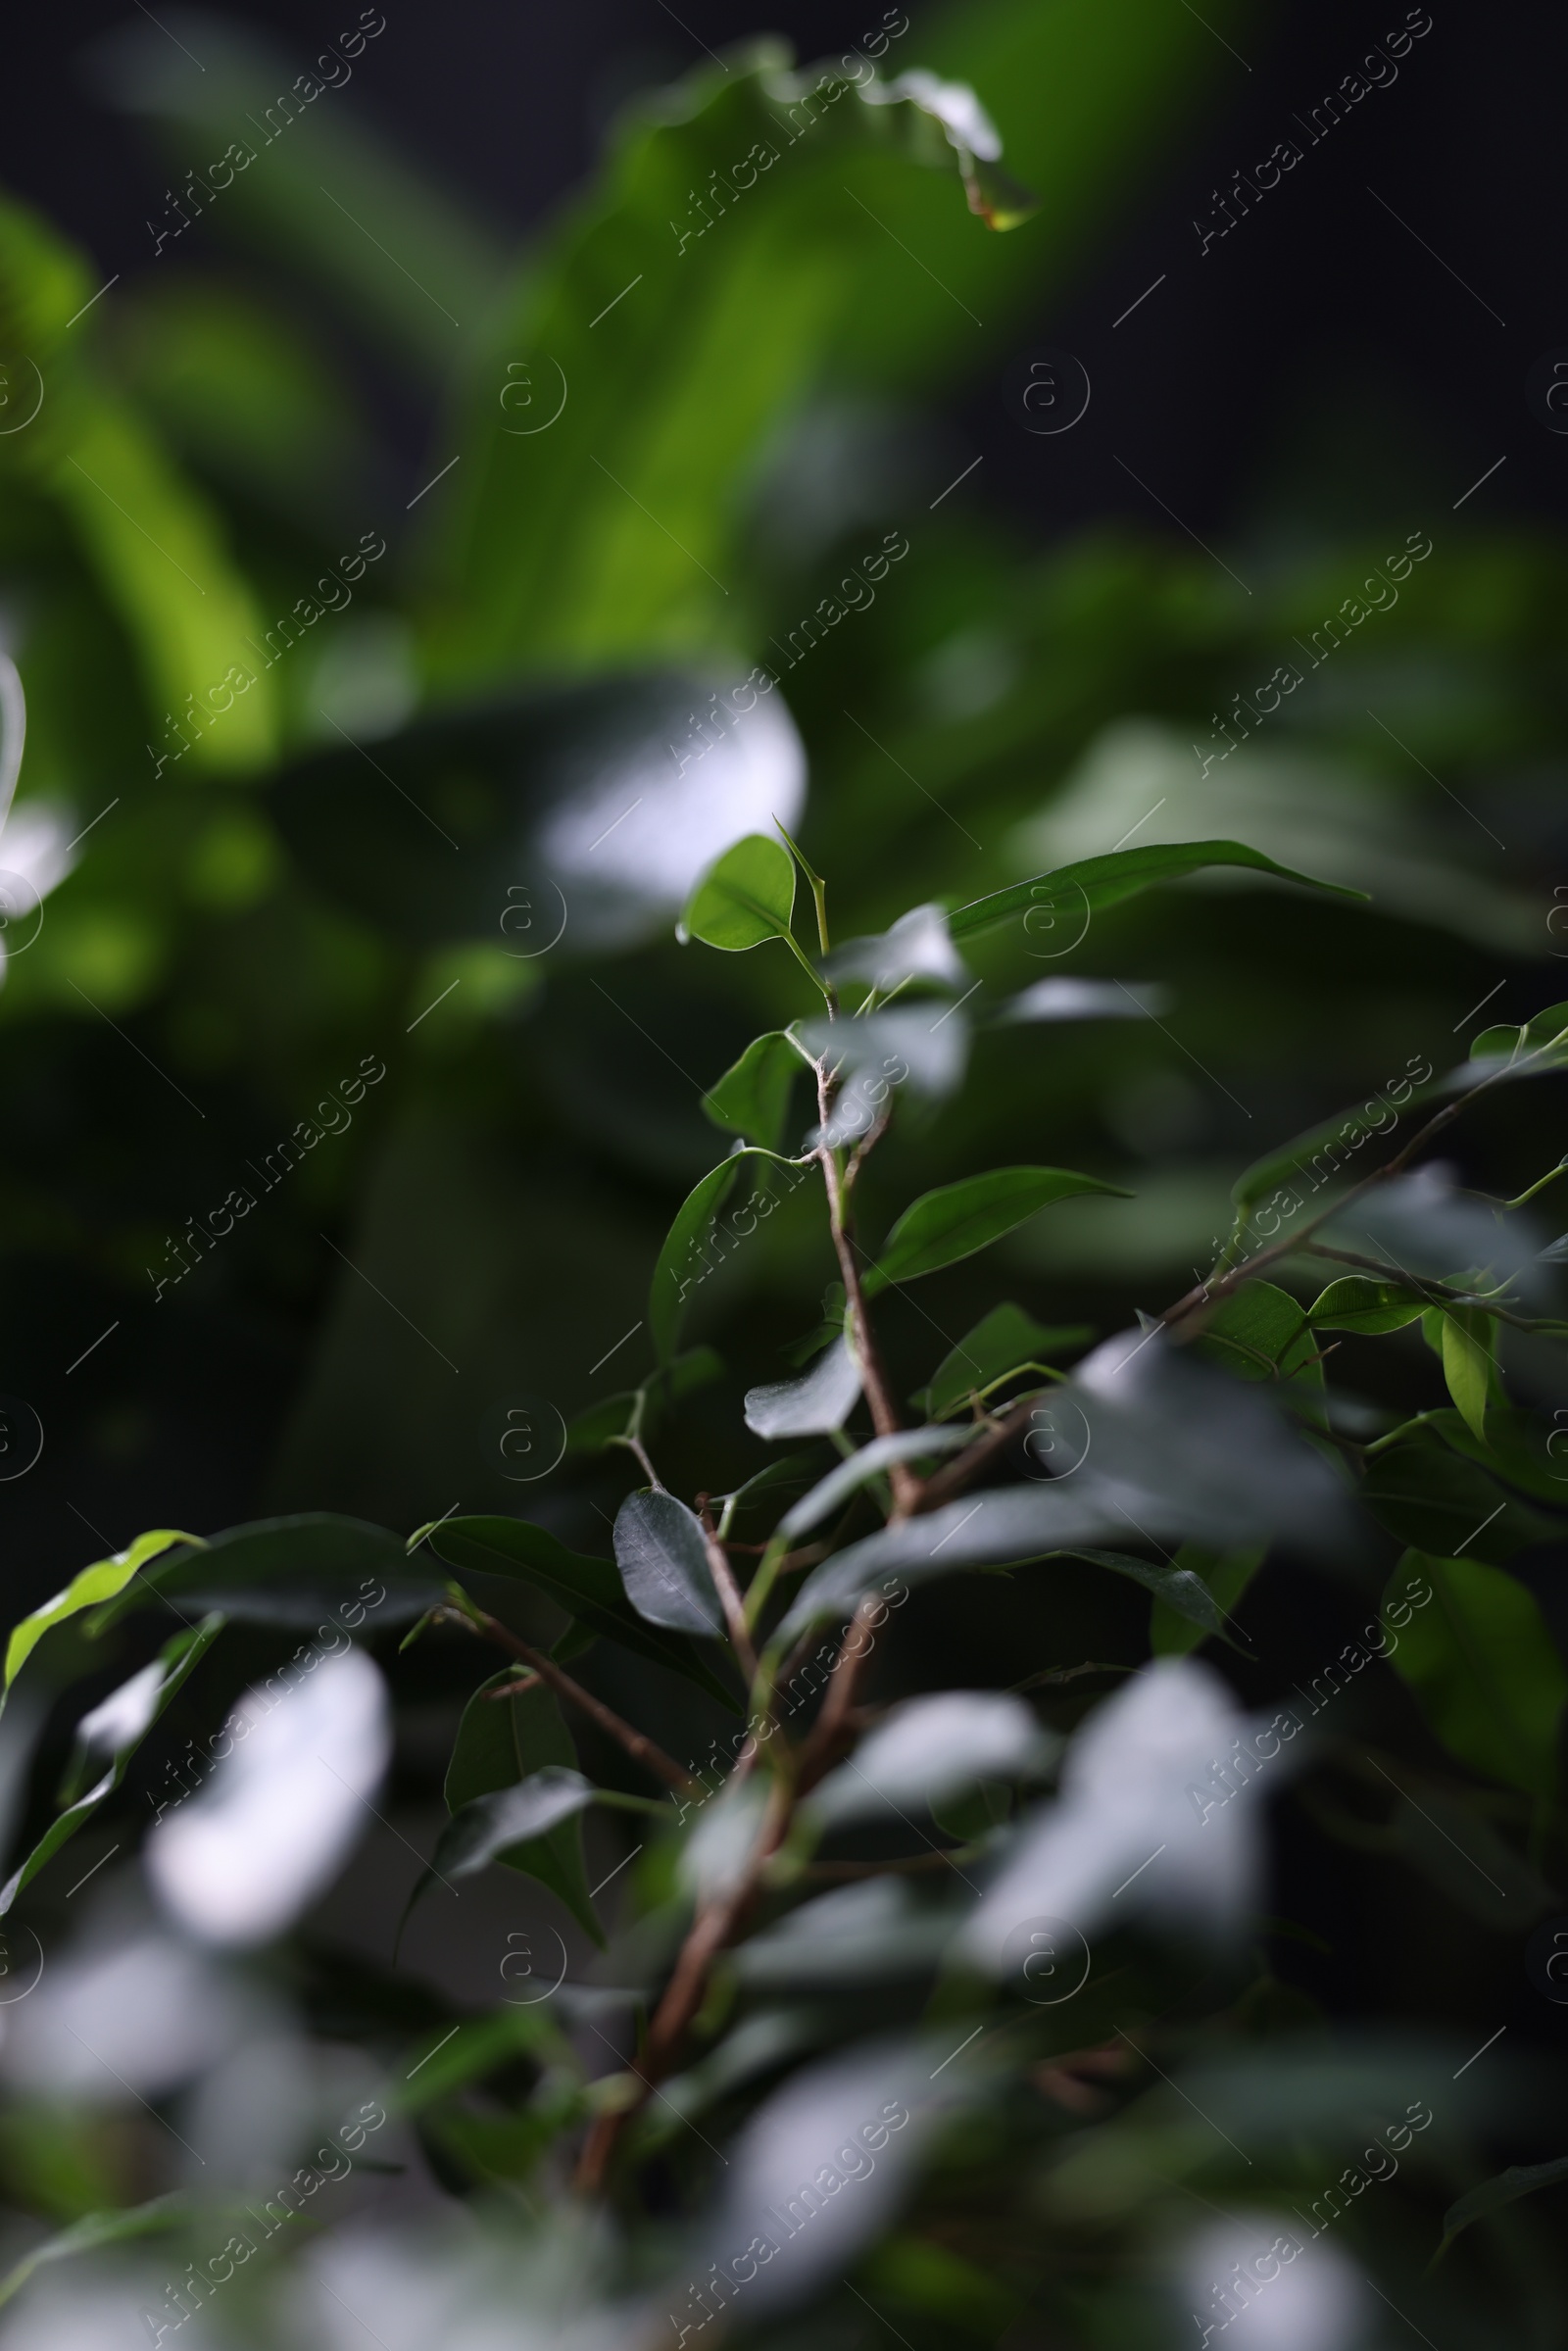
x=1259, y=1331
x=1002, y=1341
x=100, y=1582
x=1486, y=1672
x=1519, y=2180
x=753, y=1097
x=96, y=2228
x=943, y=1226
x=1225, y=1575
x=286, y=1571
x=662, y=1560
x=1468, y=1341
x=1096, y=882
x=589, y=1590
x=504, y=1824
x=1430, y=1499
x=816, y=1405
x=1007, y=1526
x=673, y=1275
x=676, y=1273
x=126, y=1716
x=1333, y=1142
x=1541, y=1041
x=1360, y=1303
x=1513, y=1448
x=501, y=1742
x=746, y=896
x=1176, y=1588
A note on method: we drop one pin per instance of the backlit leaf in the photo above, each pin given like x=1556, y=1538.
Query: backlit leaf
x=92, y=1585
x=746, y=897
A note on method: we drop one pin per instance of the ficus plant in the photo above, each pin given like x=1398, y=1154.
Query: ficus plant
x=827, y=1918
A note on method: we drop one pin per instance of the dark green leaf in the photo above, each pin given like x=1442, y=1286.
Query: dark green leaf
x=501, y=1742
x=1176, y=1588
x=1514, y=1449
x=1430, y=1499
x=1225, y=1575
x=1002, y=1341
x=753, y=1097
x=1007, y=1527
x=1096, y=882
x=289, y=1571
x=1519, y=2180
x=745, y=897
x=1486, y=1672
x=662, y=1560
x=491, y=1827
x=674, y=1274
x=589, y=1590
x=116, y=1727
x=954, y=1222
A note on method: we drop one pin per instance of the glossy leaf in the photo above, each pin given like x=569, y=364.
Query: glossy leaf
x=813, y=1406
x=1002, y=1341
x=501, y=1742
x=1096, y=882
x=746, y=897
x=662, y=1560
x=1486, y=1672
x=125, y=1718
x=953, y=1223
x=903, y=1445
x=930, y=1748
x=491, y=1827
x=89, y=1587
x=589, y=1590
x=753, y=1097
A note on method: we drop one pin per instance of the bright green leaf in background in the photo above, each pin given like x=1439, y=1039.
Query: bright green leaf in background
x=103, y=1581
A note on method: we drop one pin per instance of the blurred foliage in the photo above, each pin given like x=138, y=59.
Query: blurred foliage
x=664, y=448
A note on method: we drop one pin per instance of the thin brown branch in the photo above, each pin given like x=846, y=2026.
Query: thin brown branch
x=833, y=1728
x=730, y=1597
x=640, y=1747
x=942, y=1485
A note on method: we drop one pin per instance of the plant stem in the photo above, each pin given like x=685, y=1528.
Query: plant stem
x=730, y=1597
x=884, y=1413
x=642, y=1749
